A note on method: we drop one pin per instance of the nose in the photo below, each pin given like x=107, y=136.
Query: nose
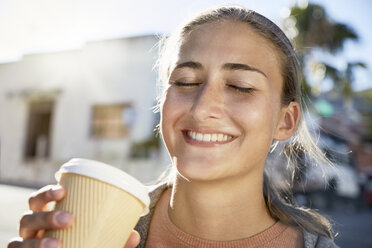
x=208, y=103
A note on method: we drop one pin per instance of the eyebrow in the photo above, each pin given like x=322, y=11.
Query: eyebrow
x=227, y=66
x=189, y=64
x=244, y=67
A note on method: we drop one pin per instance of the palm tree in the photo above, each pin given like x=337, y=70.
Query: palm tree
x=344, y=78
x=312, y=29
x=315, y=29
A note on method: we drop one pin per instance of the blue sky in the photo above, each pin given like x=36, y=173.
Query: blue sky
x=53, y=25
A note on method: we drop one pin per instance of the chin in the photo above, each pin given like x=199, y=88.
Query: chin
x=200, y=171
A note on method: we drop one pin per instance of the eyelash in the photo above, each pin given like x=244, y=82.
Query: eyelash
x=234, y=87
x=183, y=84
x=241, y=89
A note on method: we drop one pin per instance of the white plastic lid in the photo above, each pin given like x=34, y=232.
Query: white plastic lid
x=107, y=174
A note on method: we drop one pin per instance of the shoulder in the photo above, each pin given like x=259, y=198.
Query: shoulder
x=314, y=240
x=155, y=192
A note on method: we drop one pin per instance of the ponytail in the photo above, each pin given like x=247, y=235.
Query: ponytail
x=282, y=208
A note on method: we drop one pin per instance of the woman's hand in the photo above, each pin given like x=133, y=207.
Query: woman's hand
x=133, y=240
x=34, y=223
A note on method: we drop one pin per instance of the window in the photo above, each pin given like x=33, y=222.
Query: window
x=111, y=121
x=38, y=130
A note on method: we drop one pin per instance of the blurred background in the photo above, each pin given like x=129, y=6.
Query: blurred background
x=77, y=80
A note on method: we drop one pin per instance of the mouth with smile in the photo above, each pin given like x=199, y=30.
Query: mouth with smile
x=206, y=138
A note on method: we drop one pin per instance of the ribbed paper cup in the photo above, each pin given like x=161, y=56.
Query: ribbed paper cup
x=106, y=202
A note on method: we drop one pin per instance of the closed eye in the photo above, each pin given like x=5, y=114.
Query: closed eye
x=241, y=89
x=183, y=84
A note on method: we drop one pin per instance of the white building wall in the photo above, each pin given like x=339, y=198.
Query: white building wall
x=104, y=72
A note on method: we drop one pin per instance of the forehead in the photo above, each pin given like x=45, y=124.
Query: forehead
x=229, y=42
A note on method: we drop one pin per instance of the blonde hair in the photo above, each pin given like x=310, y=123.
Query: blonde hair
x=301, y=142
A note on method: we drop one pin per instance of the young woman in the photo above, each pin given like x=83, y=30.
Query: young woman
x=231, y=91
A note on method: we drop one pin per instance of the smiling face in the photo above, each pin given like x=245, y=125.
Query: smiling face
x=222, y=108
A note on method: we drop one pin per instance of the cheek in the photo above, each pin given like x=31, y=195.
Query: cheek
x=175, y=105
x=255, y=117
x=257, y=107
x=165, y=121
x=171, y=112
x=258, y=127
x=170, y=108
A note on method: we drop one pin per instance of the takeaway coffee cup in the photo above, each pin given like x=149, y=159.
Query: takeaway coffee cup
x=106, y=202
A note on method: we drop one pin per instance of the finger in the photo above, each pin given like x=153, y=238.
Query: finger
x=32, y=222
x=35, y=243
x=133, y=240
x=39, y=199
x=39, y=234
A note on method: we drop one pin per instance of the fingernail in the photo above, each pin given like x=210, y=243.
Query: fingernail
x=63, y=219
x=50, y=243
x=56, y=190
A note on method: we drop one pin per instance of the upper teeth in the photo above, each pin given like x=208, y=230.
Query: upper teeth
x=208, y=136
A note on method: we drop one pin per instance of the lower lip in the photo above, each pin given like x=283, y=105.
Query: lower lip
x=203, y=143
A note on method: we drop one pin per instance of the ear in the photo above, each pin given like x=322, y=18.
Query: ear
x=287, y=124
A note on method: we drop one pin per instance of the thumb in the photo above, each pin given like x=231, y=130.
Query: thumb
x=133, y=240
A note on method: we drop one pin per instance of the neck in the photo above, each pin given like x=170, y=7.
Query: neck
x=227, y=210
